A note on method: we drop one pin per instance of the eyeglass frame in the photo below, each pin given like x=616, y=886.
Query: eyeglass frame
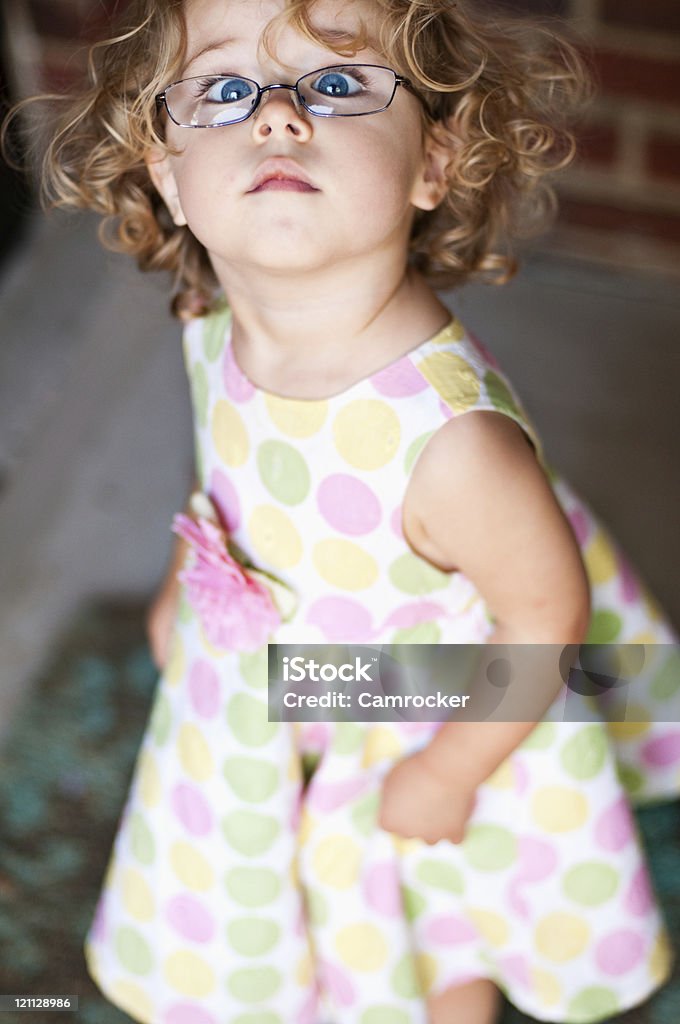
x=161, y=99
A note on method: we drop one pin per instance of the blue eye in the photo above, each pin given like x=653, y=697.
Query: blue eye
x=227, y=90
x=339, y=83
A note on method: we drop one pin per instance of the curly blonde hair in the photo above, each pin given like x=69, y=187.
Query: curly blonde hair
x=500, y=92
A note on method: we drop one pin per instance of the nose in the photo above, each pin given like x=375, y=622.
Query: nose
x=280, y=112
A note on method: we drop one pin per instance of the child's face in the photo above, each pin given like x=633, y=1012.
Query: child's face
x=369, y=172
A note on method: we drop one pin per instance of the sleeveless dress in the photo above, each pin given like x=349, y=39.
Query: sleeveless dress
x=235, y=894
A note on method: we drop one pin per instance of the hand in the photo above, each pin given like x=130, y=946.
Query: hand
x=160, y=620
x=416, y=804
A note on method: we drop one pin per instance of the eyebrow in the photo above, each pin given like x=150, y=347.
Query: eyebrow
x=337, y=34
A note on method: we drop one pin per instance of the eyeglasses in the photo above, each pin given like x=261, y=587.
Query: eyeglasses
x=341, y=90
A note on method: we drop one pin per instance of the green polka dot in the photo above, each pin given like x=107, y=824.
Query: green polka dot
x=251, y=780
x=252, y=984
x=500, y=394
x=422, y=633
x=317, y=907
x=264, y=1017
x=583, y=756
x=489, y=847
x=631, y=779
x=414, y=904
x=365, y=813
x=161, y=719
x=254, y=668
x=414, y=575
x=141, y=840
x=184, y=611
x=440, y=876
x=590, y=883
x=214, y=333
x=604, y=628
x=347, y=738
x=253, y=887
x=384, y=1015
x=666, y=682
x=541, y=737
x=251, y=936
x=593, y=1003
x=247, y=717
x=283, y=471
x=250, y=833
x=133, y=952
x=404, y=978
x=414, y=450
x=199, y=392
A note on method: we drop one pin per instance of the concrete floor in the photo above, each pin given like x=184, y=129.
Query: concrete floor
x=95, y=430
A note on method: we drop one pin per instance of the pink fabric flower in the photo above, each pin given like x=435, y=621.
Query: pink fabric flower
x=236, y=610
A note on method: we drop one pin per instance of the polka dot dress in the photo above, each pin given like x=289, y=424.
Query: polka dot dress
x=235, y=894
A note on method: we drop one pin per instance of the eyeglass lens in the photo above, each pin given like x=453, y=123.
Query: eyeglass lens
x=340, y=91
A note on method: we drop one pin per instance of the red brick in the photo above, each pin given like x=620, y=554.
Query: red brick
x=597, y=144
x=663, y=156
x=638, y=75
x=664, y=226
x=659, y=15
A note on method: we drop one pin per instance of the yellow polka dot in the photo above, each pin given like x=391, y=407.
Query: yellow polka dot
x=175, y=668
x=561, y=937
x=546, y=986
x=453, y=377
x=637, y=723
x=149, y=781
x=361, y=947
x=307, y=823
x=274, y=537
x=380, y=744
x=453, y=332
x=191, y=867
x=559, y=808
x=367, y=433
x=344, y=564
x=503, y=777
x=661, y=958
x=189, y=974
x=229, y=434
x=137, y=896
x=426, y=971
x=492, y=926
x=131, y=998
x=294, y=770
x=194, y=753
x=296, y=419
x=211, y=649
x=404, y=846
x=304, y=970
x=600, y=558
x=652, y=607
x=645, y=636
x=336, y=861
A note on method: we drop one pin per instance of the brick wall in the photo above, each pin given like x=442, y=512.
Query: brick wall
x=621, y=200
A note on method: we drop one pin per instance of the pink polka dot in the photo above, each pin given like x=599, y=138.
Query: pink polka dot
x=615, y=828
x=341, y=620
x=537, y=859
x=516, y=900
x=412, y=614
x=399, y=379
x=348, y=504
x=236, y=384
x=445, y=410
x=619, y=951
x=580, y=524
x=204, y=689
x=223, y=493
x=328, y=796
x=448, y=930
x=98, y=928
x=338, y=983
x=188, y=1013
x=382, y=890
x=483, y=350
x=314, y=735
x=395, y=522
x=516, y=968
x=190, y=919
x=309, y=1012
x=522, y=776
x=630, y=586
x=192, y=809
x=662, y=751
x=639, y=898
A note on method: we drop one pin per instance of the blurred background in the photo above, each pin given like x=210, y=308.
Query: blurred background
x=96, y=447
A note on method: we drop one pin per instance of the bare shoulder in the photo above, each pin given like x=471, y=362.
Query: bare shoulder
x=479, y=501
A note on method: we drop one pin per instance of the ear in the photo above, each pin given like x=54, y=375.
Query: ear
x=438, y=153
x=158, y=163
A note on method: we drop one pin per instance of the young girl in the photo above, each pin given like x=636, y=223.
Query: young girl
x=308, y=173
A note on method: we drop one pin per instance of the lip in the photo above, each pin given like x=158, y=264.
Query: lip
x=286, y=172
